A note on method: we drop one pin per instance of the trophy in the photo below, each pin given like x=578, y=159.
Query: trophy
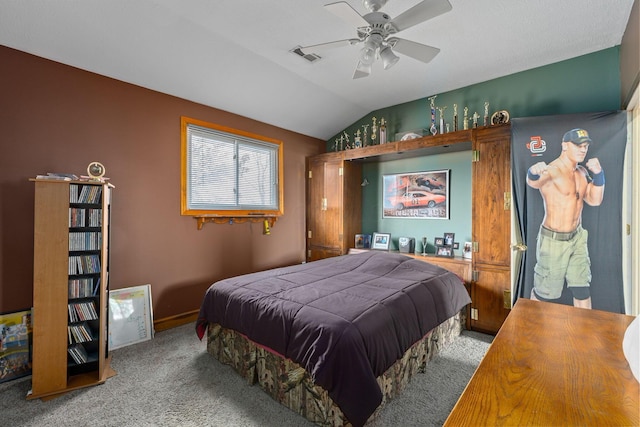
x=346, y=138
x=476, y=116
x=486, y=114
x=424, y=246
x=383, y=131
x=357, y=142
x=455, y=117
x=432, y=105
x=365, y=138
x=374, y=130
x=465, y=120
x=441, y=110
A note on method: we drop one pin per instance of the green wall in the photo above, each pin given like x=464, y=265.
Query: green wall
x=587, y=83
x=459, y=221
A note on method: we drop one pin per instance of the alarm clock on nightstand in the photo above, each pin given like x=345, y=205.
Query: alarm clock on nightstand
x=407, y=245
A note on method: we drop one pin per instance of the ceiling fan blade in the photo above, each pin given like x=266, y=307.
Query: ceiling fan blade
x=421, y=12
x=362, y=70
x=344, y=11
x=317, y=48
x=418, y=51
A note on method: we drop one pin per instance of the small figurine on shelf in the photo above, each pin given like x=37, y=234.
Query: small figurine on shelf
x=486, y=114
x=476, y=116
x=357, y=141
x=465, y=119
x=374, y=131
x=455, y=117
x=383, y=131
x=336, y=145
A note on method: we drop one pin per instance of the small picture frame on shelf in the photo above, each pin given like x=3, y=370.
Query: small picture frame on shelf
x=466, y=250
x=438, y=241
x=363, y=241
x=444, y=251
x=449, y=239
x=381, y=241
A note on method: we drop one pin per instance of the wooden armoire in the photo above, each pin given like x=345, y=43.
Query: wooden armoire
x=334, y=208
x=334, y=205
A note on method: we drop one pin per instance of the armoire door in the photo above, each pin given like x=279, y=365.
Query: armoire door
x=491, y=206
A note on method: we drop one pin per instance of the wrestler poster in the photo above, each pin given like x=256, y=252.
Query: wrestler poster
x=567, y=183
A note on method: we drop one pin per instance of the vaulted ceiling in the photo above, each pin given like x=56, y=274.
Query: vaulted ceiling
x=235, y=54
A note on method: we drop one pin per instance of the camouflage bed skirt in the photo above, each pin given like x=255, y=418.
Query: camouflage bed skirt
x=289, y=383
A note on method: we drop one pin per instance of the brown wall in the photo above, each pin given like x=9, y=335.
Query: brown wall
x=56, y=118
x=630, y=56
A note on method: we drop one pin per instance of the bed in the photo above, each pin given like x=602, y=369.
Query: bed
x=333, y=339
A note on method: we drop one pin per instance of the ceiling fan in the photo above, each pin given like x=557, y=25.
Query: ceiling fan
x=374, y=29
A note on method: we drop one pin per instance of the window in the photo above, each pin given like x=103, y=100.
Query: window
x=229, y=173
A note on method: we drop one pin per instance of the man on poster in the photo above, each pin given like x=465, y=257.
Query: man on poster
x=561, y=251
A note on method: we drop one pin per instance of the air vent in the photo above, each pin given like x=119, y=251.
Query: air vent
x=311, y=57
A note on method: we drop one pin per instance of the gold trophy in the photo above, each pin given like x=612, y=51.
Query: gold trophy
x=357, y=142
x=486, y=114
x=383, y=131
x=374, y=131
x=476, y=116
x=455, y=117
x=465, y=119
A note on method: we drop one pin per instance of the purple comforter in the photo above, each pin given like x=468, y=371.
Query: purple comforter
x=346, y=319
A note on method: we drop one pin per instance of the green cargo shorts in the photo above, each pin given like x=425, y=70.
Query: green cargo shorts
x=561, y=257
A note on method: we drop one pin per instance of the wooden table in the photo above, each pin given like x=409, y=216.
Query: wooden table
x=552, y=365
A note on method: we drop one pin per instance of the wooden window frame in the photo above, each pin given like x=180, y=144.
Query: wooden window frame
x=268, y=216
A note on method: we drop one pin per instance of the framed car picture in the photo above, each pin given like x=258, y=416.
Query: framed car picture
x=416, y=195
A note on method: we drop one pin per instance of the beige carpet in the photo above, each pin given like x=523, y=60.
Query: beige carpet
x=172, y=381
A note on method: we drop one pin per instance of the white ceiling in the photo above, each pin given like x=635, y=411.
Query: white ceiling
x=234, y=54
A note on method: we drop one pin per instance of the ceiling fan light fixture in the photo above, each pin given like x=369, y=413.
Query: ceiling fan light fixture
x=374, y=5
x=367, y=55
x=368, y=52
x=371, y=46
x=389, y=58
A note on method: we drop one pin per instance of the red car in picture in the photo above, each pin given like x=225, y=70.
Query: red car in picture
x=415, y=199
x=430, y=182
